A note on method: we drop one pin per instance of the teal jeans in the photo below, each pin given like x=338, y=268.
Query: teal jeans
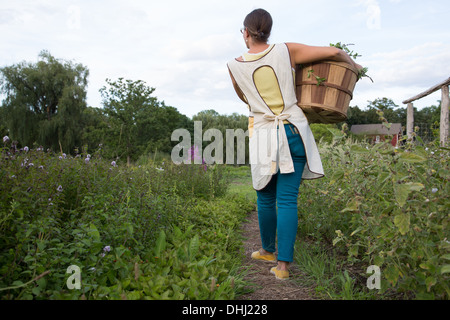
x=281, y=193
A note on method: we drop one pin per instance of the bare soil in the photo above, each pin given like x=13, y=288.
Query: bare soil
x=264, y=284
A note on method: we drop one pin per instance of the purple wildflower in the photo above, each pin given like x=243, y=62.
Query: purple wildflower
x=24, y=163
x=194, y=154
x=107, y=249
x=114, y=164
x=5, y=139
x=86, y=160
x=59, y=189
x=25, y=149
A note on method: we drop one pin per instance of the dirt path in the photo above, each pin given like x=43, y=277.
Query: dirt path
x=265, y=286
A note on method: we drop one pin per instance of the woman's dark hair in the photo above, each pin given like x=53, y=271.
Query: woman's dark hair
x=259, y=24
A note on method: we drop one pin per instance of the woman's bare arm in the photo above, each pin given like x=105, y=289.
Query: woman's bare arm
x=301, y=53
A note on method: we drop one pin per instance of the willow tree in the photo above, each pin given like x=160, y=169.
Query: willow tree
x=44, y=102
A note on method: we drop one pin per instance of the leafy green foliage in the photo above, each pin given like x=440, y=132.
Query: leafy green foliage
x=322, y=133
x=318, y=79
x=137, y=123
x=388, y=207
x=362, y=72
x=211, y=119
x=427, y=119
x=143, y=232
x=345, y=47
x=44, y=102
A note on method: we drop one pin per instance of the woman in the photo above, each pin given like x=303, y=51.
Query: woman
x=282, y=146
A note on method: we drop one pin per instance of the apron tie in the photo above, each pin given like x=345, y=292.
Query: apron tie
x=279, y=143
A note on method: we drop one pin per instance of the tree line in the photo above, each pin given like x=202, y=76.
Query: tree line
x=426, y=119
x=45, y=105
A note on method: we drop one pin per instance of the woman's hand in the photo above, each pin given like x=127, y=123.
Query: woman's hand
x=357, y=66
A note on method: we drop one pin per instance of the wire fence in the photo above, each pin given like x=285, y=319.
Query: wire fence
x=427, y=132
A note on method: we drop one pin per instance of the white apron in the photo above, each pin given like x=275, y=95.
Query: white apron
x=269, y=148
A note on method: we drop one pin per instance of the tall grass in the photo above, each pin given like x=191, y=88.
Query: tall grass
x=327, y=273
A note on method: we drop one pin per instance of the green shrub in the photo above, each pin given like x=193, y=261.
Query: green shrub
x=106, y=218
x=388, y=207
x=321, y=132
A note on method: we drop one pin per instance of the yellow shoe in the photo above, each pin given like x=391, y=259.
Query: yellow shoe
x=280, y=274
x=264, y=257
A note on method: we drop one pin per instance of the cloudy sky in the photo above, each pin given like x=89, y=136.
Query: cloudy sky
x=181, y=47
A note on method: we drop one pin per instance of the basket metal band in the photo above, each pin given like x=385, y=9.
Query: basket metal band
x=326, y=84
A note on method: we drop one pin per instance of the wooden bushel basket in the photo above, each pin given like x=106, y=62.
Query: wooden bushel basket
x=327, y=102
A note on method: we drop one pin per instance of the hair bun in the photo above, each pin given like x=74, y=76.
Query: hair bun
x=259, y=24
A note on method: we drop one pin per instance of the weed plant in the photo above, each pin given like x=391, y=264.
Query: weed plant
x=152, y=231
x=384, y=206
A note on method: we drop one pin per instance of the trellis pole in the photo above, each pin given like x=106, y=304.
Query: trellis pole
x=445, y=105
x=410, y=120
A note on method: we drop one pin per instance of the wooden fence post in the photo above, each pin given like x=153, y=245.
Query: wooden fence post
x=444, y=126
x=445, y=105
x=410, y=120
